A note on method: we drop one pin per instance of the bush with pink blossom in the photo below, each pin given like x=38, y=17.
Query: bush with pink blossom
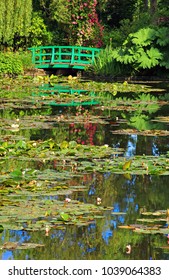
x=85, y=27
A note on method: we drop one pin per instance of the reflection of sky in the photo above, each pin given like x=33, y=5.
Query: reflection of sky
x=107, y=230
x=7, y=255
x=16, y=236
x=116, y=219
x=155, y=150
x=131, y=146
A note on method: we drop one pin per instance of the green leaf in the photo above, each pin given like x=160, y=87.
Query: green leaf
x=64, y=145
x=143, y=37
x=127, y=165
x=64, y=217
x=16, y=174
x=150, y=58
x=21, y=144
x=162, y=34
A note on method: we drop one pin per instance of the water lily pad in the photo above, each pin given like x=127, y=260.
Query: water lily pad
x=15, y=245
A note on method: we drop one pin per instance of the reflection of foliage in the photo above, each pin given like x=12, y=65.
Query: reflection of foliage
x=83, y=134
x=140, y=120
x=48, y=171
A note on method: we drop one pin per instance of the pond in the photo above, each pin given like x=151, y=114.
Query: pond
x=84, y=170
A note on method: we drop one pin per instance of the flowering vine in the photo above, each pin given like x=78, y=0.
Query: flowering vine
x=85, y=27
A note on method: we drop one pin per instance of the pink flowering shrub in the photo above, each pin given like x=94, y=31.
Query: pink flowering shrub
x=85, y=27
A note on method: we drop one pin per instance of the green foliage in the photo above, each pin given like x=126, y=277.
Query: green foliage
x=142, y=37
x=10, y=63
x=144, y=49
x=162, y=36
x=26, y=60
x=104, y=63
x=117, y=36
x=15, y=19
x=149, y=58
x=114, y=11
x=59, y=11
x=15, y=63
x=38, y=33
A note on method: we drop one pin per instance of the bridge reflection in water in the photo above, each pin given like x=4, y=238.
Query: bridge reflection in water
x=64, y=95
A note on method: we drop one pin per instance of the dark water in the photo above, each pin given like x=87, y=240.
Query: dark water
x=102, y=239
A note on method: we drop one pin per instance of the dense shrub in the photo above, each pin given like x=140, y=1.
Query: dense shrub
x=141, y=52
x=14, y=63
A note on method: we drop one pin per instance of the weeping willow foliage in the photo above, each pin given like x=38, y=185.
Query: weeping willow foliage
x=15, y=19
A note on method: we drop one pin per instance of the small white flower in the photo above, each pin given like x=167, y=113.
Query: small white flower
x=128, y=249
x=98, y=200
x=14, y=125
x=67, y=199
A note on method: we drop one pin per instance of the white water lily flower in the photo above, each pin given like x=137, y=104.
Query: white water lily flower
x=128, y=249
x=67, y=199
x=98, y=200
x=106, y=145
x=14, y=125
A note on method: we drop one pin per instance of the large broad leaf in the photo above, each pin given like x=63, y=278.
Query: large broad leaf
x=143, y=37
x=64, y=217
x=165, y=60
x=150, y=58
x=125, y=56
x=162, y=34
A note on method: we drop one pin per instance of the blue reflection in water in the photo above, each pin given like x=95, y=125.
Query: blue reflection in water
x=107, y=234
x=131, y=146
x=59, y=234
x=16, y=236
x=155, y=150
x=7, y=255
x=117, y=219
x=92, y=189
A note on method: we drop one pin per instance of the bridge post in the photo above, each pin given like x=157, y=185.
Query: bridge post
x=73, y=56
x=53, y=55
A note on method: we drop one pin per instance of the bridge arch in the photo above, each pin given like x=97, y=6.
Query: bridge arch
x=74, y=57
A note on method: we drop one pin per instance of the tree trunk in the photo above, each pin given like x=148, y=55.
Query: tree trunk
x=153, y=6
x=145, y=4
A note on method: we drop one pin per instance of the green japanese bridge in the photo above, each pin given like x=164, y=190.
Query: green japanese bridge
x=74, y=57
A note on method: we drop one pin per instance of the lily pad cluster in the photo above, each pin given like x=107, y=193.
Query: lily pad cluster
x=144, y=132
x=153, y=223
x=38, y=213
x=77, y=158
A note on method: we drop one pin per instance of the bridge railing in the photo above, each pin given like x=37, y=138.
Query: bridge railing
x=53, y=56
